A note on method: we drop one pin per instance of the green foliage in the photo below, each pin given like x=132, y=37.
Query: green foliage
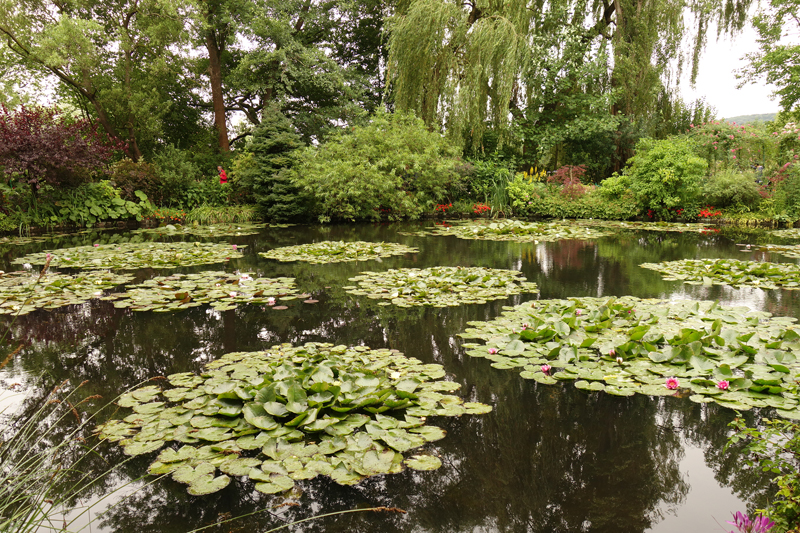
x=666, y=175
x=785, y=205
x=208, y=192
x=484, y=176
x=730, y=188
x=393, y=164
x=221, y=215
x=176, y=172
x=774, y=446
x=530, y=199
x=263, y=171
x=728, y=145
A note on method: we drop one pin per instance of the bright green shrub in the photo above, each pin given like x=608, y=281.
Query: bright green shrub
x=786, y=194
x=393, y=165
x=731, y=188
x=484, y=176
x=539, y=200
x=264, y=172
x=666, y=175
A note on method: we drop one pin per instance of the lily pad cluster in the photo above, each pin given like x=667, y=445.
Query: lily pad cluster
x=732, y=356
x=338, y=251
x=788, y=233
x=222, y=290
x=788, y=250
x=516, y=230
x=23, y=292
x=440, y=286
x=131, y=256
x=290, y=413
x=679, y=227
x=212, y=230
x=730, y=272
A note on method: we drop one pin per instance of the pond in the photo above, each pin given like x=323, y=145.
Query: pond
x=546, y=458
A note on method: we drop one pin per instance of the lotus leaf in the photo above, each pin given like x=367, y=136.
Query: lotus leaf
x=514, y=230
x=338, y=251
x=131, y=256
x=441, y=286
x=730, y=272
x=219, y=289
x=345, y=412
x=23, y=292
x=721, y=354
x=213, y=230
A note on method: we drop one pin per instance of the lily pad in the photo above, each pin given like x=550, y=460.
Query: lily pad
x=730, y=272
x=131, y=256
x=423, y=462
x=23, y=292
x=338, y=251
x=441, y=286
x=299, y=412
x=211, y=230
x=515, y=230
x=219, y=289
x=624, y=346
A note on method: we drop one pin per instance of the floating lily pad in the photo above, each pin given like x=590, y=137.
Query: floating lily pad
x=441, y=286
x=623, y=346
x=787, y=233
x=338, y=251
x=730, y=272
x=23, y=292
x=130, y=256
x=212, y=230
x=679, y=227
x=515, y=230
x=788, y=250
x=220, y=289
x=290, y=413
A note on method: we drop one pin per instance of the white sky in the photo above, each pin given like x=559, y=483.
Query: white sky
x=717, y=83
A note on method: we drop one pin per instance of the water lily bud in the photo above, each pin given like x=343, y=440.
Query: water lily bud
x=524, y=326
x=492, y=350
x=546, y=369
x=619, y=360
x=612, y=352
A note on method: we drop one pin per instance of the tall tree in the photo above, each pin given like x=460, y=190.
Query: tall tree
x=778, y=58
x=109, y=55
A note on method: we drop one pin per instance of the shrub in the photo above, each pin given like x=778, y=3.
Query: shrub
x=483, y=176
x=394, y=163
x=175, y=173
x=666, y=175
x=731, y=188
x=535, y=200
x=264, y=172
x=41, y=145
x=569, y=177
x=130, y=176
x=786, y=193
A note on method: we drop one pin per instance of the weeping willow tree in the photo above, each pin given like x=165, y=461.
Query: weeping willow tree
x=466, y=66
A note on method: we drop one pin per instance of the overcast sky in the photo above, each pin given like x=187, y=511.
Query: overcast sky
x=717, y=82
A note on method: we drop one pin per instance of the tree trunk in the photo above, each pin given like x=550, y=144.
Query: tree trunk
x=218, y=103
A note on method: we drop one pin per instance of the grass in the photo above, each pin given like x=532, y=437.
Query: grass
x=222, y=215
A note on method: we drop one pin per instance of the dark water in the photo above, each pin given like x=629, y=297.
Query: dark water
x=547, y=459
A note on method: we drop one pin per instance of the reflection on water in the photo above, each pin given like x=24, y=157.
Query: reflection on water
x=548, y=458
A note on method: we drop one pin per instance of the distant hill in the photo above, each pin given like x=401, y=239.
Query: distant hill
x=749, y=119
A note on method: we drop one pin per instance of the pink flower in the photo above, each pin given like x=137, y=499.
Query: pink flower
x=723, y=385
x=525, y=326
x=48, y=257
x=612, y=352
x=492, y=350
x=578, y=312
x=96, y=245
x=546, y=369
x=234, y=247
x=672, y=383
x=270, y=301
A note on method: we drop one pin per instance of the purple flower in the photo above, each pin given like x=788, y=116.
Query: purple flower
x=546, y=369
x=760, y=524
x=723, y=385
x=672, y=383
x=492, y=350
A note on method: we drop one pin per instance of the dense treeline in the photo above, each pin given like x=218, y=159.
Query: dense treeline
x=381, y=109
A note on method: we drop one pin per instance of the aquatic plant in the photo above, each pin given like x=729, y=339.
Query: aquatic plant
x=513, y=230
x=212, y=230
x=788, y=250
x=743, y=523
x=290, y=413
x=731, y=272
x=627, y=345
x=132, y=256
x=440, y=286
x=338, y=251
x=222, y=290
x=22, y=292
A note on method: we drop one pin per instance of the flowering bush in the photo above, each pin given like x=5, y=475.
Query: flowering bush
x=708, y=212
x=480, y=209
x=726, y=144
x=443, y=208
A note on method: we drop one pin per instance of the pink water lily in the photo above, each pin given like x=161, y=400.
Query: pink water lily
x=723, y=384
x=234, y=247
x=672, y=383
x=612, y=352
x=578, y=312
x=546, y=369
x=525, y=325
x=492, y=350
x=96, y=245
